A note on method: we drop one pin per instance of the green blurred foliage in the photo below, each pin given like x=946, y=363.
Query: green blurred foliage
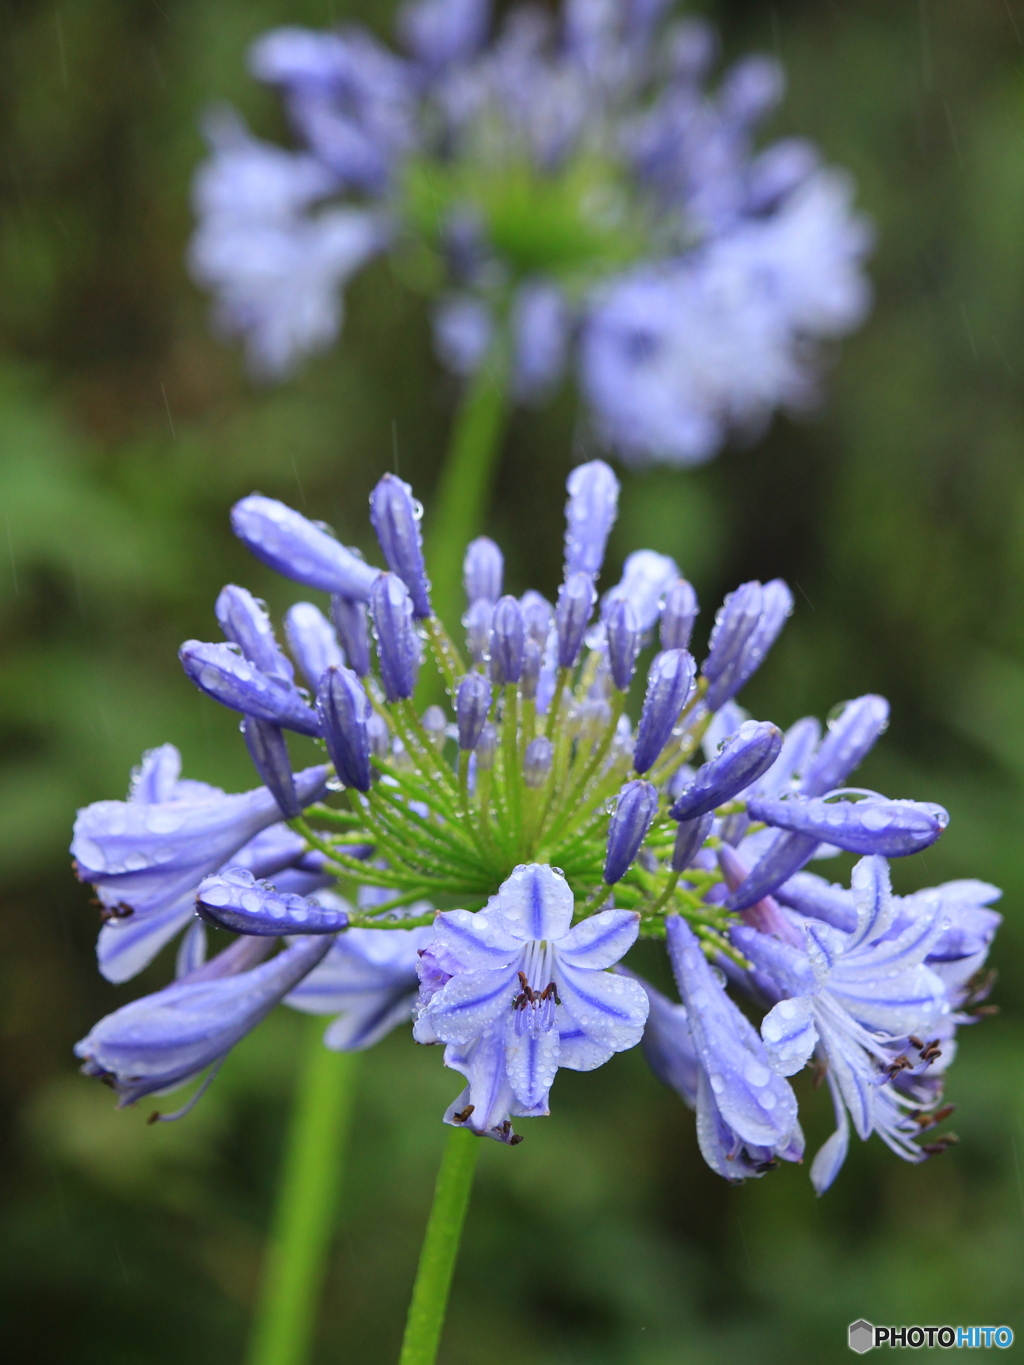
x=897, y=513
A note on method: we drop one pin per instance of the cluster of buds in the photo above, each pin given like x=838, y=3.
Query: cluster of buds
x=559, y=831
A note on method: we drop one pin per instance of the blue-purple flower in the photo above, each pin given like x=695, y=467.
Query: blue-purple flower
x=686, y=275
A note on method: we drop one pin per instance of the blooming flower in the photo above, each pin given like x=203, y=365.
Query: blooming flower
x=561, y=183
x=535, y=987
x=562, y=832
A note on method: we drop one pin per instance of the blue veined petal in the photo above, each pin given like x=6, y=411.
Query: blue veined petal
x=785, y=964
x=829, y=1158
x=758, y=1105
x=600, y=940
x=813, y=896
x=610, y=1008
x=535, y=903
x=790, y=1035
x=910, y=1001
x=125, y=946
x=234, y=900
x=849, y=1065
x=531, y=1062
x=471, y=1003
x=468, y=942
x=578, y=1051
x=487, y=1104
x=872, y=894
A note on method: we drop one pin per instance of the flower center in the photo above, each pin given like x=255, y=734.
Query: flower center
x=534, y=1006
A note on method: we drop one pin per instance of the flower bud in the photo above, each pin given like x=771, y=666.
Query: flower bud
x=223, y=674
x=378, y=736
x=312, y=641
x=776, y=605
x=850, y=736
x=398, y=645
x=734, y=621
x=537, y=761
x=436, y=725
x=269, y=753
x=537, y=616
x=690, y=838
x=678, y=615
x=472, y=703
x=507, y=639
x=395, y=516
x=287, y=542
x=634, y=813
x=477, y=621
x=743, y=758
x=245, y=623
x=349, y=617
x=486, y=746
x=482, y=570
x=893, y=829
x=645, y=576
x=589, y=515
x=669, y=684
x=575, y=605
x=533, y=659
x=623, y=638
x=344, y=710
x=235, y=900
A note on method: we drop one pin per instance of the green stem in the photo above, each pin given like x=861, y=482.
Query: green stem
x=440, y=1248
x=308, y=1198
x=459, y=505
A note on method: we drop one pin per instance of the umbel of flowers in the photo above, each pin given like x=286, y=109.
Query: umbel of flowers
x=557, y=830
x=569, y=194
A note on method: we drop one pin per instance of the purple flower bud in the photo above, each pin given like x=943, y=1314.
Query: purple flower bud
x=472, y=703
x=750, y=752
x=398, y=645
x=786, y=854
x=533, y=659
x=763, y=914
x=269, y=753
x=344, y=709
x=787, y=967
x=537, y=616
x=395, y=516
x=690, y=838
x=378, y=736
x=635, y=810
x=892, y=828
x=222, y=673
x=589, y=514
x=245, y=623
x=477, y=621
x=286, y=541
x=645, y=576
x=439, y=32
x=349, y=617
x=312, y=641
x=435, y=723
x=486, y=746
x=537, y=761
x=482, y=570
x=572, y=615
x=507, y=639
x=235, y=900
x=850, y=736
x=734, y=622
x=776, y=605
x=623, y=636
x=669, y=684
x=678, y=614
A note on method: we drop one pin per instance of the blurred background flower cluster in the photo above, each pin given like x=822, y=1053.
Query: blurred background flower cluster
x=896, y=513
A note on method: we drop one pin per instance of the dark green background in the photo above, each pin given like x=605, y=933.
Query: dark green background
x=897, y=513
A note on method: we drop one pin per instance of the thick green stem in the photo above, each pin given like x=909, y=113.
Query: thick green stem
x=459, y=505
x=307, y=1205
x=440, y=1248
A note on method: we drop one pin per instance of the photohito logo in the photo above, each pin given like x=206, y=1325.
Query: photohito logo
x=865, y=1337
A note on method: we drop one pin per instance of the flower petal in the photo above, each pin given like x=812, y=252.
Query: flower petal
x=470, y=1003
x=535, y=903
x=531, y=1063
x=467, y=942
x=609, y=1009
x=601, y=940
x=789, y=1035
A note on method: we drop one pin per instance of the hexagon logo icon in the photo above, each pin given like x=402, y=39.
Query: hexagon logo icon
x=862, y=1336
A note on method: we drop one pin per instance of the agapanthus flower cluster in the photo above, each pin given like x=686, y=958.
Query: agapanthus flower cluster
x=570, y=194
x=484, y=866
